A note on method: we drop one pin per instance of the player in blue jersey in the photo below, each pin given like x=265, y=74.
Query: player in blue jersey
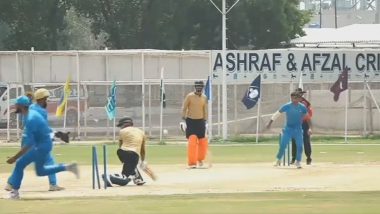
x=41, y=96
x=295, y=112
x=36, y=148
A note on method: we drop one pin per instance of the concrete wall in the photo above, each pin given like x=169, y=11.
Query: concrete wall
x=54, y=67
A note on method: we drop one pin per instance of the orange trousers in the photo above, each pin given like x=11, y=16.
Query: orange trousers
x=196, y=149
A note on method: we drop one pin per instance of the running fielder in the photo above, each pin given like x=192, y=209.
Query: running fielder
x=41, y=96
x=37, y=148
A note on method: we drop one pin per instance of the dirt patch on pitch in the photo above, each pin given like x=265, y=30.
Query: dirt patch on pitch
x=221, y=178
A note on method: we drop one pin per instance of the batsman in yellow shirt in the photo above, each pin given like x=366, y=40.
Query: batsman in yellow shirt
x=131, y=149
x=194, y=112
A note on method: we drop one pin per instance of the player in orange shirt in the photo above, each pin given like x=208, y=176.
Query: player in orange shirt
x=194, y=112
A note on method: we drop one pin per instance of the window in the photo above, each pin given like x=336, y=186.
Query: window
x=13, y=93
x=2, y=90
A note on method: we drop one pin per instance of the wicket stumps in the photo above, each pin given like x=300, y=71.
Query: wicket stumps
x=105, y=165
x=287, y=152
x=95, y=168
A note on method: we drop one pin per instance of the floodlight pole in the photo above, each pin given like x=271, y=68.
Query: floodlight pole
x=335, y=15
x=224, y=72
x=320, y=13
x=377, y=15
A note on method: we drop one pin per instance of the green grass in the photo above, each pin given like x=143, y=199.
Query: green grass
x=374, y=139
x=250, y=153
x=271, y=203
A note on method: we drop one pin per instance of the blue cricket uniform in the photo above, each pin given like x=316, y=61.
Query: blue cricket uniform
x=292, y=128
x=50, y=160
x=36, y=135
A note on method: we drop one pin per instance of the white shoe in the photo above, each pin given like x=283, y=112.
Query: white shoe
x=298, y=165
x=8, y=187
x=277, y=163
x=74, y=169
x=55, y=188
x=138, y=181
x=14, y=195
x=200, y=163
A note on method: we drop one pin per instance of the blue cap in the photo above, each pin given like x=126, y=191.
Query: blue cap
x=23, y=101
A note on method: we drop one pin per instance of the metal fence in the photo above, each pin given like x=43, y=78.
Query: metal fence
x=137, y=74
x=90, y=121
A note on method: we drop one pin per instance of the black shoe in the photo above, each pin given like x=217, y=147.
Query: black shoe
x=293, y=161
x=308, y=161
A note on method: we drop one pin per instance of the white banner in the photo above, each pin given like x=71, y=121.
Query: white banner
x=286, y=65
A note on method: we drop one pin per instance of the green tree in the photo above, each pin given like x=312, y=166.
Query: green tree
x=263, y=24
x=157, y=24
x=193, y=24
x=79, y=35
x=34, y=23
x=120, y=19
x=4, y=31
x=138, y=23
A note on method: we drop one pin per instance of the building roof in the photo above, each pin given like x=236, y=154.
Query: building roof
x=357, y=35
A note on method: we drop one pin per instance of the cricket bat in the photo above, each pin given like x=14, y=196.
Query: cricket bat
x=147, y=170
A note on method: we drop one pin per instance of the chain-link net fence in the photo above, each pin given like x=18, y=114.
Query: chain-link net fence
x=86, y=116
x=137, y=75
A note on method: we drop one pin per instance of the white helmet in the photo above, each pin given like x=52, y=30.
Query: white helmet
x=182, y=126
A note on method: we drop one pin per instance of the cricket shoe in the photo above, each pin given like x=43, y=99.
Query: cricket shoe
x=298, y=165
x=8, y=187
x=200, y=164
x=14, y=195
x=293, y=161
x=308, y=161
x=54, y=188
x=277, y=163
x=138, y=181
x=192, y=167
x=74, y=169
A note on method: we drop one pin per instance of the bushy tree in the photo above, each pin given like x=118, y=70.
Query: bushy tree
x=37, y=23
x=193, y=24
x=265, y=23
x=156, y=24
